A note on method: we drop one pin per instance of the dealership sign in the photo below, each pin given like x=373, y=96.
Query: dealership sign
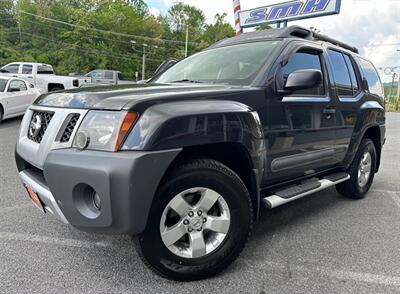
x=293, y=10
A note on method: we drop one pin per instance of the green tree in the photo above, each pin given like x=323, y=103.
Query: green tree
x=219, y=30
x=263, y=27
x=80, y=39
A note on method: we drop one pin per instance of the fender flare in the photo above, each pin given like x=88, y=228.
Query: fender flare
x=196, y=123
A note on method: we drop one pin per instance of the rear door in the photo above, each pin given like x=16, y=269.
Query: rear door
x=301, y=126
x=27, y=72
x=348, y=94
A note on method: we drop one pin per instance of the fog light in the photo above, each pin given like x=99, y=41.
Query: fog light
x=96, y=201
x=82, y=140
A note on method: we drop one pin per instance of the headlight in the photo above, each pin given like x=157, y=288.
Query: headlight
x=104, y=130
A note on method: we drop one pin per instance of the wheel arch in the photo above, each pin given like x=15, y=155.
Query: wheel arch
x=52, y=86
x=374, y=134
x=232, y=154
x=226, y=131
x=1, y=110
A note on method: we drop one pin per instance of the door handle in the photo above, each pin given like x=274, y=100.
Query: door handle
x=329, y=111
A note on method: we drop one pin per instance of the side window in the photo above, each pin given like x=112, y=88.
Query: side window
x=352, y=72
x=27, y=69
x=341, y=73
x=120, y=77
x=44, y=69
x=371, y=75
x=304, y=60
x=94, y=74
x=108, y=75
x=12, y=68
x=17, y=86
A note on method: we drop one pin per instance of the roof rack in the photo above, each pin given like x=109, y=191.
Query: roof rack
x=289, y=32
x=300, y=32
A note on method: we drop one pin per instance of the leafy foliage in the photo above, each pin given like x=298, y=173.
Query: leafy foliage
x=104, y=34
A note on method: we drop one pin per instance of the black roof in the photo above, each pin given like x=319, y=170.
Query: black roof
x=289, y=32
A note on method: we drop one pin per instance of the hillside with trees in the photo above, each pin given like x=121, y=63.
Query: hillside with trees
x=81, y=35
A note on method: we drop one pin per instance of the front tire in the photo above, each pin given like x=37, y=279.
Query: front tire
x=362, y=172
x=199, y=222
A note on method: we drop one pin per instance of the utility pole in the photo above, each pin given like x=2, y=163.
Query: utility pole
x=144, y=62
x=187, y=39
x=19, y=28
x=387, y=105
x=398, y=95
x=398, y=91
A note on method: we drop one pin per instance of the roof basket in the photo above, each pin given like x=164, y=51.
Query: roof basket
x=303, y=33
x=289, y=32
x=324, y=38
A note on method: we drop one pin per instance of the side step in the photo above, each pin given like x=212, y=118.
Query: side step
x=295, y=192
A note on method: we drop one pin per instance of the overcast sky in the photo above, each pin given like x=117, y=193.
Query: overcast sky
x=371, y=25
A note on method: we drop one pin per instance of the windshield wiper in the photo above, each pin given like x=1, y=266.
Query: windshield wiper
x=187, y=81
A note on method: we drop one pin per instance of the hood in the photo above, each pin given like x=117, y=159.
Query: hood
x=127, y=96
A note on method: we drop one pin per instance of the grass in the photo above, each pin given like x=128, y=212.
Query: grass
x=391, y=107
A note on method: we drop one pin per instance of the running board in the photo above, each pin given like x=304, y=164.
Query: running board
x=290, y=194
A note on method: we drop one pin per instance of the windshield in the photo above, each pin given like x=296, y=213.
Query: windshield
x=236, y=65
x=3, y=84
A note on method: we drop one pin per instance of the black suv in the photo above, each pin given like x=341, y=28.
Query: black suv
x=186, y=161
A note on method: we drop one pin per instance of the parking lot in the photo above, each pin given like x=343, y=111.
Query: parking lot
x=319, y=244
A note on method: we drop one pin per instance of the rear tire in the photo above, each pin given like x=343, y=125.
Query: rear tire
x=223, y=243
x=362, y=172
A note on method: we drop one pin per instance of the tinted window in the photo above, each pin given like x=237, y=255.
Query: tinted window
x=341, y=73
x=120, y=77
x=17, y=84
x=304, y=60
x=108, y=75
x=44, y=69
x=352, y=72
x=27, y=69
x=12, y=68
x=371, y=75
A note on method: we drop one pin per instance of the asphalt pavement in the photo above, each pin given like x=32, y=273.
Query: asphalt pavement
x=323, y=243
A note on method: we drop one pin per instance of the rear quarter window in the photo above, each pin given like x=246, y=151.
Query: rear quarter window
x=44, y=69
x=371, y=75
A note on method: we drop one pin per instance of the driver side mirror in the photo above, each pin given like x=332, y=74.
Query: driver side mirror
x=302, y=79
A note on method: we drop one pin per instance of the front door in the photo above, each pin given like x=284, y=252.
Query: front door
x=19, y=97
x=301, y=125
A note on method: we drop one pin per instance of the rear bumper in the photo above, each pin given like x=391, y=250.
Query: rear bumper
x=125, y=182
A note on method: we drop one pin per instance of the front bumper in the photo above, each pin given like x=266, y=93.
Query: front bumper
x=126, y=183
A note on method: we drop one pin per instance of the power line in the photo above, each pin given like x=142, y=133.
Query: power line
x=98, y=51
x=104, y=31
x=166, y=49
x=84, y=35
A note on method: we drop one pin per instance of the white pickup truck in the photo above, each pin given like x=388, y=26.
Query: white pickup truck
x=42, y=76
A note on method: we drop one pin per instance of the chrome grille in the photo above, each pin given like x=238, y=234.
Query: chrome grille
x=72, y=119
x=38, y=125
